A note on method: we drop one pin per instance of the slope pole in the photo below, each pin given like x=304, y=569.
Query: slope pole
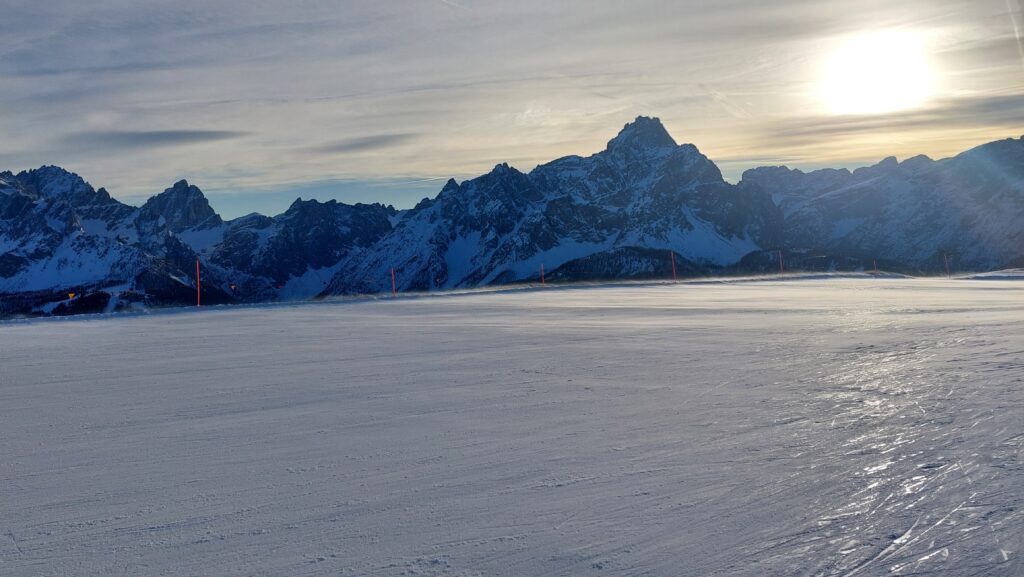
x=541, y=274
x=673, y=254
x=782, y=267
x=394, y=289
x=199, y=286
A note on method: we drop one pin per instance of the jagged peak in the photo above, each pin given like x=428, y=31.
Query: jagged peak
x=771, y=172
x=312, y=203
x=502, y=169
x=451, y=187
x=180, y=190
x=51, y=170
x=644, y=133
x=53, y=181
x=183, y=206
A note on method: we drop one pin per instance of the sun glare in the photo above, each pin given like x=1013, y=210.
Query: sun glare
x=877, y=73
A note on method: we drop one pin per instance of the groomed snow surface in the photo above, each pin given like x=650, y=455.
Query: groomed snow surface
x=827, y=427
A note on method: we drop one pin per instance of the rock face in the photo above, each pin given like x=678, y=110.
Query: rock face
x=293, y=255
x=633, y=210
x=178, y=209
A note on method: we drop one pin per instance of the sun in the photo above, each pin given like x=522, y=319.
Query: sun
x=877, y=73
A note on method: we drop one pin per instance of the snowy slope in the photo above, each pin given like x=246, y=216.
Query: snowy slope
x=833, y=428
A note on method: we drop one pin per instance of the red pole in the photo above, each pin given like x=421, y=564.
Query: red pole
x=673, y=265
x=199, y=286
x=541, y=274
x=945, y=257
x=876, y=265
x=782, y=267
x=394, y=290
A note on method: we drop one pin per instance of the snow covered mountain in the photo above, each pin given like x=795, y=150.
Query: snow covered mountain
x=915, y=213
x=60, y=236
x=292, y=255
x=636, y=209
x=619, y=213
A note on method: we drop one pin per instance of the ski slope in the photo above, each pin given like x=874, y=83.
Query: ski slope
x=841, y=427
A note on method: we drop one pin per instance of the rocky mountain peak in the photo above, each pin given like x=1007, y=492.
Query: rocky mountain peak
x=503, y=169
x=55, y=183
x=182, y=207
x=642, y=134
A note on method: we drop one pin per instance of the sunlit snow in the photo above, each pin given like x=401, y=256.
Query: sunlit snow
x=824, y=427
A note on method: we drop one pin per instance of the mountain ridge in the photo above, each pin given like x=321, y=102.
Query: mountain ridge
x=626, y=211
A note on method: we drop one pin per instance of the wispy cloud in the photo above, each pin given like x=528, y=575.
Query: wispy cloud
x=1004, y=112
x=148, y=138
x=364, y=144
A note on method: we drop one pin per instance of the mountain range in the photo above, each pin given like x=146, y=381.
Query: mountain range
x=644, y=207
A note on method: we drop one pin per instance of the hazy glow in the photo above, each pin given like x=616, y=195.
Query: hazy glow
x=878, y=73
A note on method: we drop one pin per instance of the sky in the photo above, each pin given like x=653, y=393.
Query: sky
x=258, y=102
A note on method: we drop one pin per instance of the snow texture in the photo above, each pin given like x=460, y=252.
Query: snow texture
x=834, y=427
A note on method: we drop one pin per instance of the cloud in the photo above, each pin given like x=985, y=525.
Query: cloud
x=364, y=143
x=362, y=91
x=980, y=55
x=992, y=111
x=148, y=138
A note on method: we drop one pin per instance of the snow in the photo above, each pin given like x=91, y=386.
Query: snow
x=308, y=285
x=8, y=244
x=203, y=240
x=397, y=217
x=843, y=426
x=704, y=244
x=566, y=250
x=459, y=257
x=95, y=226
x=845, y=226
x=1008, y=274
x=49, y=307
x=71, y=264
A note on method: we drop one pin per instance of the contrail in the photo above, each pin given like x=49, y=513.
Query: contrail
x=1016, y=27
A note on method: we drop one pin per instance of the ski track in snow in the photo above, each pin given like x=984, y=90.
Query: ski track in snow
x=827, y=427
